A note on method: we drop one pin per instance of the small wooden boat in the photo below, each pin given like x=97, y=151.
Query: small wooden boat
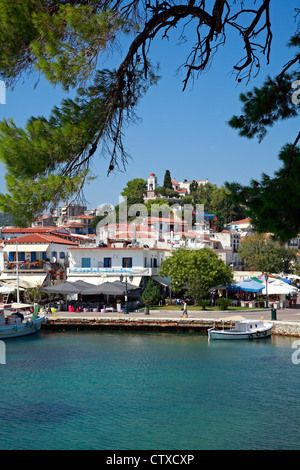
x=243, y=329
x=19, y=320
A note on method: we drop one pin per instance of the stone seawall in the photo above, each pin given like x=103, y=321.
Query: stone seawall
x=286, y=329
x=130, y=324
x=187, y=325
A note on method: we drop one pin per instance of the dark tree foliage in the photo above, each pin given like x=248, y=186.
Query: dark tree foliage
x=50, y=159
x=168, y=180
x=273, y=204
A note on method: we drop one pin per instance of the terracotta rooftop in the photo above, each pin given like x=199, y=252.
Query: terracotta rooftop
x=36, y=238
x=45, y=229
x=242, y=221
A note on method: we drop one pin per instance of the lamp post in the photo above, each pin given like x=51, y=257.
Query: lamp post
x=267, y=301
x=126, y=290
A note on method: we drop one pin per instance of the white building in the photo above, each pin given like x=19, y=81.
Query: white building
x=35, y=253
x=242, y=226
x=151, y=186
x=101, y=264
x=183, y=187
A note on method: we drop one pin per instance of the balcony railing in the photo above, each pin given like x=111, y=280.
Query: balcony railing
x=12, y=266
x=30, y=266
x=113, y=271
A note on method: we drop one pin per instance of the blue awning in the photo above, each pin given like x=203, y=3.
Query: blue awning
x=247, y=285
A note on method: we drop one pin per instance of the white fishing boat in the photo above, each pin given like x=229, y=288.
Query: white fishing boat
x=242, y=329
x=20, y=320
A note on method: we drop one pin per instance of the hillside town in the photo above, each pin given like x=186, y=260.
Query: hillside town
x=65, y=246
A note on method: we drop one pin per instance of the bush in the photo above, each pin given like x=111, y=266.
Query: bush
x=203, y=303
x=223, y=303
x=151, y=294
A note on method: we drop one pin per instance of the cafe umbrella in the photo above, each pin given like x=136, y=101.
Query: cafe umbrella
x=247, y=285
x=67, y=287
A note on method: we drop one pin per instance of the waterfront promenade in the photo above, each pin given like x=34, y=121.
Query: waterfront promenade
x=287, y=321
x=285, y=315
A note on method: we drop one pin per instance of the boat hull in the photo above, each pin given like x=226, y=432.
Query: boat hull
x=237, y=335
x=22, y=329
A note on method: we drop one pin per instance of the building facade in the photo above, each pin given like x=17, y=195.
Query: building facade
x=101, y=264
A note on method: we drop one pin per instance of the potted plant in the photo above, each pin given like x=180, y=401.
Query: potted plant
x=118, y=305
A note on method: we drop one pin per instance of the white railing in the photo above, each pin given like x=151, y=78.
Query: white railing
x=113, y=271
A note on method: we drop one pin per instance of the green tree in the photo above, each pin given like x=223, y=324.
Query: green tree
x=273, y=203
x=197, y=270
x=259, y=253
x=151, y=294
x=134, y=191
x=193, y=186
x=167, y=180
x=160, y=206
x=203, y=195
x=106, y=210
x=224, y=208
x=166, y=192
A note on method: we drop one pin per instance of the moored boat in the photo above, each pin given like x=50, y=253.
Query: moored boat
x=20, y=320
x=243, y=329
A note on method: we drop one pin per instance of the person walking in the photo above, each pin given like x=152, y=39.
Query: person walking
x=184, y=311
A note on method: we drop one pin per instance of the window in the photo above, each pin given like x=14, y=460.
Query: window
x=126, y=262
x=85, y=262
x=107, y=262
x=62, y=255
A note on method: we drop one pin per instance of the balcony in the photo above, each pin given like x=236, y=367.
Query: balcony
x=11, y=266
x=35, y=266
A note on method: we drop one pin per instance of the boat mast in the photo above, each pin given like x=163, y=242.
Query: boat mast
x=18, y=290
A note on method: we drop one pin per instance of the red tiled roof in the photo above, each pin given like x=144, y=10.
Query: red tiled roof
x=74, y=224
x=169, y=220
x=242, y=221
x=84, y=216
x=38, y=238
x=45, y=229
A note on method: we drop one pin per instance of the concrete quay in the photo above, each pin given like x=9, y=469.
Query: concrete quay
x=287, y=320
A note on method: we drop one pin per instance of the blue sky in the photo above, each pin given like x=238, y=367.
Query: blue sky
x=184, y=132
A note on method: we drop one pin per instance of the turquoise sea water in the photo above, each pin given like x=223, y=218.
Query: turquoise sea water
x=123, y=390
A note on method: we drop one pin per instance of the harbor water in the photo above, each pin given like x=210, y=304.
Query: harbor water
x=141, y=390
